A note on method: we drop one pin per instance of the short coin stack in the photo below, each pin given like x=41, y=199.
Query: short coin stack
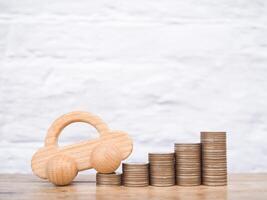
x=135, y=174
x=162, y=170
x=214, y=163
x=112, y=179
x=188, y=164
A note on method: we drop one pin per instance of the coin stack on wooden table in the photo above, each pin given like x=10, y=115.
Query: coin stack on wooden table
x=214, y=162
x=112, y=179
x=162, y=169
x=188, y=164
x=135, y=174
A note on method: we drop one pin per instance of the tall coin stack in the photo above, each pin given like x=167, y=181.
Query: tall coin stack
x=112, y=179
x=214, y=163
x=135, y=174
x=188, y=164
x=162, y=170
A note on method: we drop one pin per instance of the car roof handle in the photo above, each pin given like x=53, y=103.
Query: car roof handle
x=72, y=117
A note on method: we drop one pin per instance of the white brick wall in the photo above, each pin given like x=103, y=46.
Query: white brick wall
x=161, y=70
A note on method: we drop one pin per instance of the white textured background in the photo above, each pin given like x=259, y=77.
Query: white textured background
x=163, y=70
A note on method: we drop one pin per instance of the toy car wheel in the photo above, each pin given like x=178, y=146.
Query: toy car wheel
x=61, y=170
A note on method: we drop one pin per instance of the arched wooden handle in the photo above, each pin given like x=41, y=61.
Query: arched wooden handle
x=78, y=116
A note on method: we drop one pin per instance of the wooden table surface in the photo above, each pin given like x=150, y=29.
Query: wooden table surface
x=241, y=187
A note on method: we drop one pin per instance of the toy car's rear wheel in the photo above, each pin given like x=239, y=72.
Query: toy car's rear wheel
x=61, y=170
x=106, y=158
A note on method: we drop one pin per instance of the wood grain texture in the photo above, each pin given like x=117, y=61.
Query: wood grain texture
x=80, y=152
x=241, y=187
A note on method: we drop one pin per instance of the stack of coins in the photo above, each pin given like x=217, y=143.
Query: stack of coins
x=135, y=174
x=188, y=164
x=214, y=163
x=112, y=179
x=162, y=170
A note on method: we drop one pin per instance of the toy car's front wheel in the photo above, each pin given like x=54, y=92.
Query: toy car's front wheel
x=61, y=170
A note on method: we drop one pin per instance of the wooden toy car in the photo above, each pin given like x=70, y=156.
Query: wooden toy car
x=60, y=165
